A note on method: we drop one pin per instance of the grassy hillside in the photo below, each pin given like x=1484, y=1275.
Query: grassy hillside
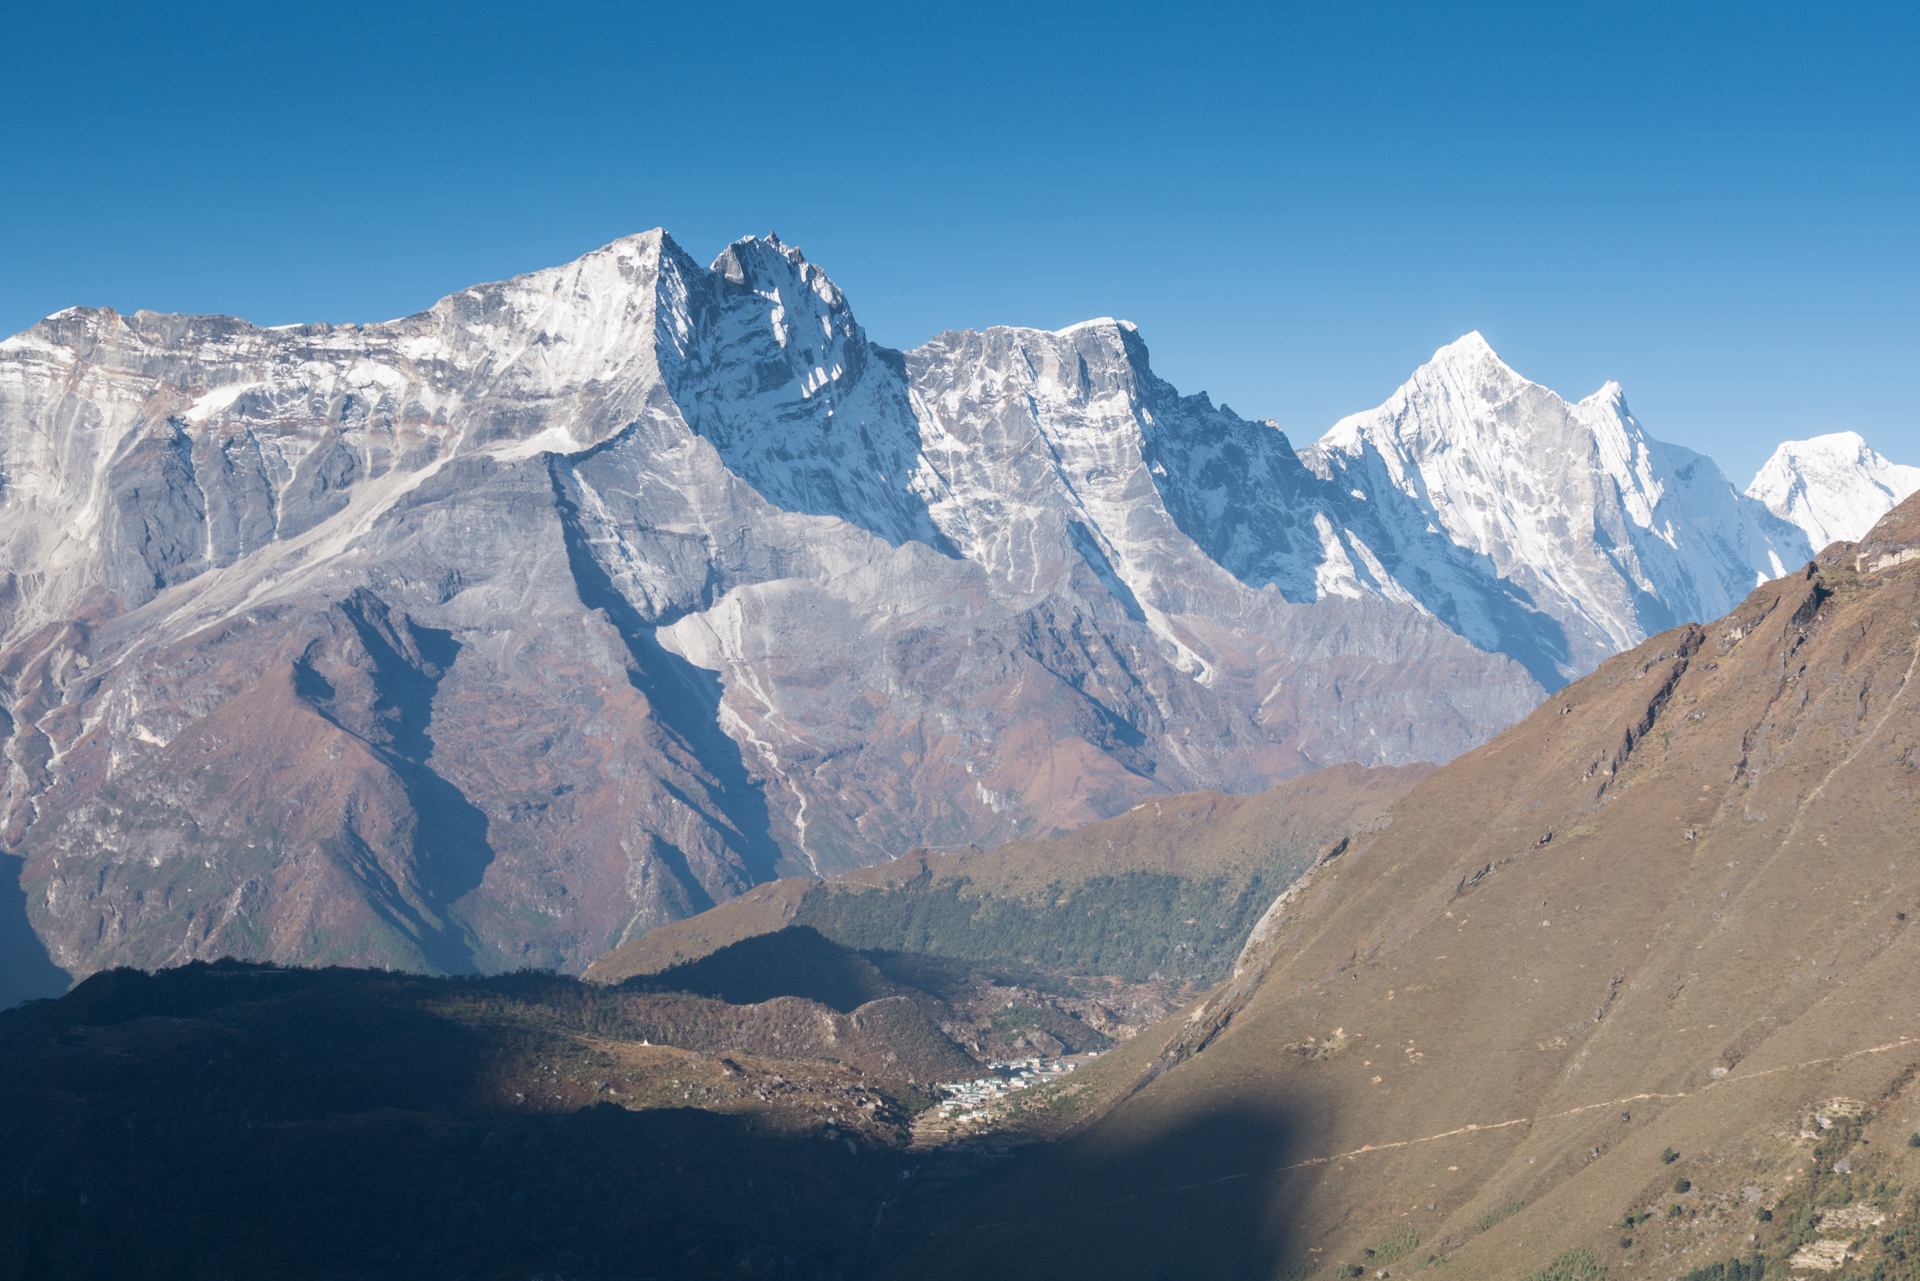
x=1629, y=991
x=1165, y=893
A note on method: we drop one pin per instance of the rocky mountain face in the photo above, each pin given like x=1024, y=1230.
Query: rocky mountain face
x=498, y=634
x=1833, y=487
x=1626, y=990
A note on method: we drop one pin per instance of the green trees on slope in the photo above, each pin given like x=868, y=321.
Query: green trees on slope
x=1137, y=925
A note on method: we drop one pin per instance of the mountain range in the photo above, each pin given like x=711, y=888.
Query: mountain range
x=1624, y=992
x=500, y=634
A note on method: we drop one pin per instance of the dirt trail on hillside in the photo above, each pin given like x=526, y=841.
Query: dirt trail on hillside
x=1644, y=932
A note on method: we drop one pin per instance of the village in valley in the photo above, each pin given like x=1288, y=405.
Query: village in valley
x=972, y=1109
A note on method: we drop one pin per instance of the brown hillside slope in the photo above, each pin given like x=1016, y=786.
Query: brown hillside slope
x=1197, y=834
x=1668, y=911
x=761, y=910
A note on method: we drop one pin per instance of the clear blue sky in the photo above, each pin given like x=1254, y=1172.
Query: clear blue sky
x=1713, y=204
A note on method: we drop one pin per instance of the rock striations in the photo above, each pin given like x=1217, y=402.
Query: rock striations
x=501, y=633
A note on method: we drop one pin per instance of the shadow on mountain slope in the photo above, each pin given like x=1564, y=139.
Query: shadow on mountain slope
x=1167, y=891
x=1192, y=1199
x=237, y=1120
x=796, y=961
x=26, y=970
x=845, y=445
x=1509, y=619
x=686, y=699
x=406, y=664
x=1089, y=548
x=451, y=841
x=1239, y=491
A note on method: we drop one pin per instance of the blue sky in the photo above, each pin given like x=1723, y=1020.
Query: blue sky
x=1713, y=204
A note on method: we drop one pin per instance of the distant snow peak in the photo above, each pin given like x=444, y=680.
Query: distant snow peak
x=1471, y=345
x=1470, y=356
x=1556, y=532
x=1834, y=487
x=1610, y=393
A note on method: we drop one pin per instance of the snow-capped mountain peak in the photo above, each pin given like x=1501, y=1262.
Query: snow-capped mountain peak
x=1833, y=487
x=1462, y=381
x=1472, y=359
x=1469, y=347
x=1574, y=512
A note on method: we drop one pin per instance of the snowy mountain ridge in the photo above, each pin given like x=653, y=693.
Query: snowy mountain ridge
x=497, y=634
x=1573, y=507
x=578, y=602
x=1832, y=487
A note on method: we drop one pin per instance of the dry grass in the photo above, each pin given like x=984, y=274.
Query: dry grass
x=1669, y=910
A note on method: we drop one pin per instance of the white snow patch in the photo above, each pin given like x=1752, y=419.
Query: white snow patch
x=218, y=401
x=369, y=374
x=1098, y=322
x=1335, y=575
x=550, y=440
